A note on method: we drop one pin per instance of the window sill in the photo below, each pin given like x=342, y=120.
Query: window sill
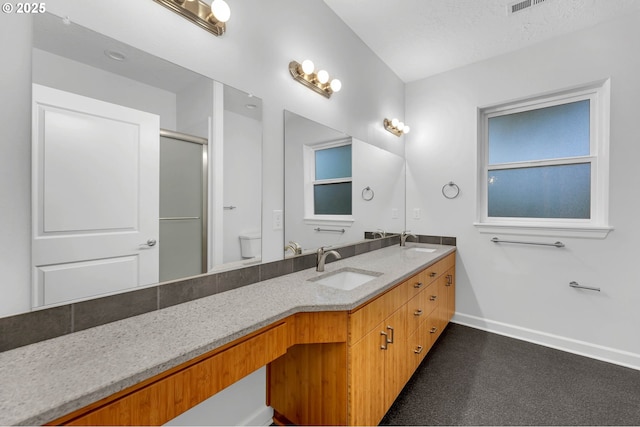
x=330, y=220
x=591, y=232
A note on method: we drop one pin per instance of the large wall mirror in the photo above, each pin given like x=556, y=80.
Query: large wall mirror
x=337, y=187
x=143, y=171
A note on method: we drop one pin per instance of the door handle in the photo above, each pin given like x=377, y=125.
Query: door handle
x=390, y=340
x=150, y=243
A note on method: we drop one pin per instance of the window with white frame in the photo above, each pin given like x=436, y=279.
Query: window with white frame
x=543, y=164
x=328, y=184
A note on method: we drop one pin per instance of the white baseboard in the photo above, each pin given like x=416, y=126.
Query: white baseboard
x=582, y=348
x=262, y=417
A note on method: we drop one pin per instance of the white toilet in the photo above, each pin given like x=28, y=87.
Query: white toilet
x=250, y=244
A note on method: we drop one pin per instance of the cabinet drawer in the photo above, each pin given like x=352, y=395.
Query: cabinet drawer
x=436, y=270
x=419, y=344
x=163, y=400
x=418, y=308
x=415, y=285
x=365, y=318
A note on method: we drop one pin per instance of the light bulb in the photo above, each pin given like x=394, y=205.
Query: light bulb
x=323, y=76
x=406, y=129
x=336, y=85
x=220, y=10
x=400, y=126
x=394, y=122
x=307, y=66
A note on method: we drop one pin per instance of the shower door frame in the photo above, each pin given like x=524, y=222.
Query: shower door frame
x=205, y=187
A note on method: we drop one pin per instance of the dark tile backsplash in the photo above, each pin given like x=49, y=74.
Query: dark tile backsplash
x=95, y=312
x=234, y=279
x=40, y=325
x=187, y=290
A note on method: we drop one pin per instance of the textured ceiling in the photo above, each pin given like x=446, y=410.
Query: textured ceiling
x=420, y=38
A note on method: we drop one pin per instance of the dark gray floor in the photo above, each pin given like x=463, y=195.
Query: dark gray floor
x=472, y=377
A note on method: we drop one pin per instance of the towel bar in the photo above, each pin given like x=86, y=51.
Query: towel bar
x=556, y=244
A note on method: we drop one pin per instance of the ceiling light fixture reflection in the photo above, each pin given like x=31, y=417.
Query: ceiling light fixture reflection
x=396, y=127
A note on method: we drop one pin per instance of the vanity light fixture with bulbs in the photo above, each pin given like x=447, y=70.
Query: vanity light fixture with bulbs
x=319, y=81
x=396, y=127
x=211, y=15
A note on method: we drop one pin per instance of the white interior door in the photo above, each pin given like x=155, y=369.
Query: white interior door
x=95, y=196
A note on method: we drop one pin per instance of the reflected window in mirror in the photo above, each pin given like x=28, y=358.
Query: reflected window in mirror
x=328, y=191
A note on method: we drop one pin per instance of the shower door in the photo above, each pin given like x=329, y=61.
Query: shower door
x=183, y=207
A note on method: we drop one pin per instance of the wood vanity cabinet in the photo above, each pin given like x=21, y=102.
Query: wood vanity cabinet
x=323, y=368
x=387, y=339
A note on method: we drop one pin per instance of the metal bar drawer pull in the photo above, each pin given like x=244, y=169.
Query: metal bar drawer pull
x=579, y=286
x=556, y=244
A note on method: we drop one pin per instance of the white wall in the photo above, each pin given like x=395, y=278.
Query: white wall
x=522, y=290
x=262, y=38
x=194, y=108
x=72, y=76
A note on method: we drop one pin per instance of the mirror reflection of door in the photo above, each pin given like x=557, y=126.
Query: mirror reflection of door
x=95, y=197
x=183, y=225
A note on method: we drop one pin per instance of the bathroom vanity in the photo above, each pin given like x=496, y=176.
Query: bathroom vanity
x=334, y=356
x=383, y=341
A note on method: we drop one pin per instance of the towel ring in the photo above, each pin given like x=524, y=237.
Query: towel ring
x=367, y=197
x=453, y=193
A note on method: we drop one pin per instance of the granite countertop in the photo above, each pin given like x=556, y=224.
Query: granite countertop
x=46, y=380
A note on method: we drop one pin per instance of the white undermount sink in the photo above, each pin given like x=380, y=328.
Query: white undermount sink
x=421, y=249
x=346, y=279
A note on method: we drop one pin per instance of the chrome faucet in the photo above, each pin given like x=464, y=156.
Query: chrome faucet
x=294, y=247
x=404, y=235
x=322, y=257
x=379, y=232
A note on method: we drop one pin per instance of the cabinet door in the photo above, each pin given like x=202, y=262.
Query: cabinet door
x=366, y=378
x=397, y=358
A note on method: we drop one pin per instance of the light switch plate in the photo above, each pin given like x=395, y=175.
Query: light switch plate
x=277, y=219
x=394, y=213
x=416, y=213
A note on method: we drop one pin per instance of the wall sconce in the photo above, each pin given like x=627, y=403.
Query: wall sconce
x=210, y=15
x=319, y=82
x=396, y=127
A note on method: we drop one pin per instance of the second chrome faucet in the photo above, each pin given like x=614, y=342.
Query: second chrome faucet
x=405, y=234
x=322, y=257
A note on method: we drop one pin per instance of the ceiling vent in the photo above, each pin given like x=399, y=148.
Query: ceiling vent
x=522, y=5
